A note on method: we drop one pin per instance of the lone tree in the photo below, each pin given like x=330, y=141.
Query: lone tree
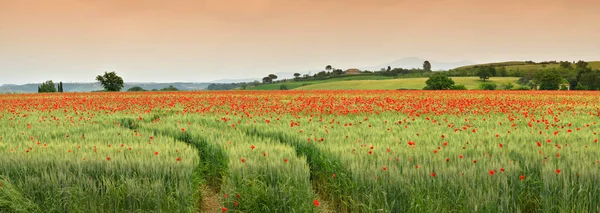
x=427, y=66
x=485, y=73
x=328, y=67
x=438, y=81
x=272, y=77
x=110, y=81
x=267, y=80
x=47, y=86
x=297, y=75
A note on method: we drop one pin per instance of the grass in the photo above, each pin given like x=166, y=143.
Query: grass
x=405, y=83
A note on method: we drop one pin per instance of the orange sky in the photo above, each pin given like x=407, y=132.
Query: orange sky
x=195, y=40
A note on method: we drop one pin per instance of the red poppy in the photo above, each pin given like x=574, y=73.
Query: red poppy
x=285, y=160
x=178, y=159
x=433, y=174
x=557, y=171
x=223, y=209
x=252, y=147
x=502, y=169
x=492, y=172
x=108, y=158
x=522, y=177
x=243, y=160
x=316, y=202
x=384, y=168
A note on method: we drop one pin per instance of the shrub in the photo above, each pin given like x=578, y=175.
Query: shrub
x=458, y=87
x=136, y=89
x=487, y=86
x=508, y=86
x=438, y=81
x=581, y=87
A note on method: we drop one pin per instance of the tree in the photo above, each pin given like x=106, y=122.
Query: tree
x=267, y=80
x=47, y=86
x=328, y=67
x=388, y=69
x=60, y=87
x=502, y=71
x=591, y=80
x=297, y=75
x=439, y=81
x=170, y=88
x=273, y=77
x=484, y=73
x=581, y=65
x=111, y=81
x=427, y=66
x=565, y=64
x=551, y=80
x=338, y=72
x=136, y=89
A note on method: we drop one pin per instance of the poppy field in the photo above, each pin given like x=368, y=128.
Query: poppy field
x=301, y=151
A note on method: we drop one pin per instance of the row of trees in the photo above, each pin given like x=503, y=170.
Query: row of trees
x=49, y=86
x=110, y=81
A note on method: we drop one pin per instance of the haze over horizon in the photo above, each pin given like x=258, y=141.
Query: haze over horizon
x=206, y=40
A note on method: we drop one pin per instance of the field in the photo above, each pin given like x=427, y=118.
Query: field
x=291, y=84
x=403, y=83
x=301, y=151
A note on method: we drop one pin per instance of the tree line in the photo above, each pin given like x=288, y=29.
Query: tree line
x=110, y=81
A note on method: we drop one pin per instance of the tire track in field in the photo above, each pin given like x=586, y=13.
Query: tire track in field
x=322, y=167
x=209, y=174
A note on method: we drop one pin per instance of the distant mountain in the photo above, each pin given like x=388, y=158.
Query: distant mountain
x=88, y=87
x=414, y=62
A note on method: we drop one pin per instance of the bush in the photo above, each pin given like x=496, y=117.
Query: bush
x=458, y=87
x=581, y=87
x=283, y=87
x=136, y=89
x=563, y=87
x=438, y=81
x=487, y=86
x=508, y=86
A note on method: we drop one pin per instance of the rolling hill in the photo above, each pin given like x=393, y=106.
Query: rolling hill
x=522, y=65
x=403, y=83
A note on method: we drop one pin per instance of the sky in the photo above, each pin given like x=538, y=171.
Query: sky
x=205, y=40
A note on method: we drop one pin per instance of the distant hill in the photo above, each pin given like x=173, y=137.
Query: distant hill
x=523, y=65
x=415, y=62
x=88, y=87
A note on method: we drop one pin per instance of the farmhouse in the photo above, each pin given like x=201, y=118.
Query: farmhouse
x=352, y=71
